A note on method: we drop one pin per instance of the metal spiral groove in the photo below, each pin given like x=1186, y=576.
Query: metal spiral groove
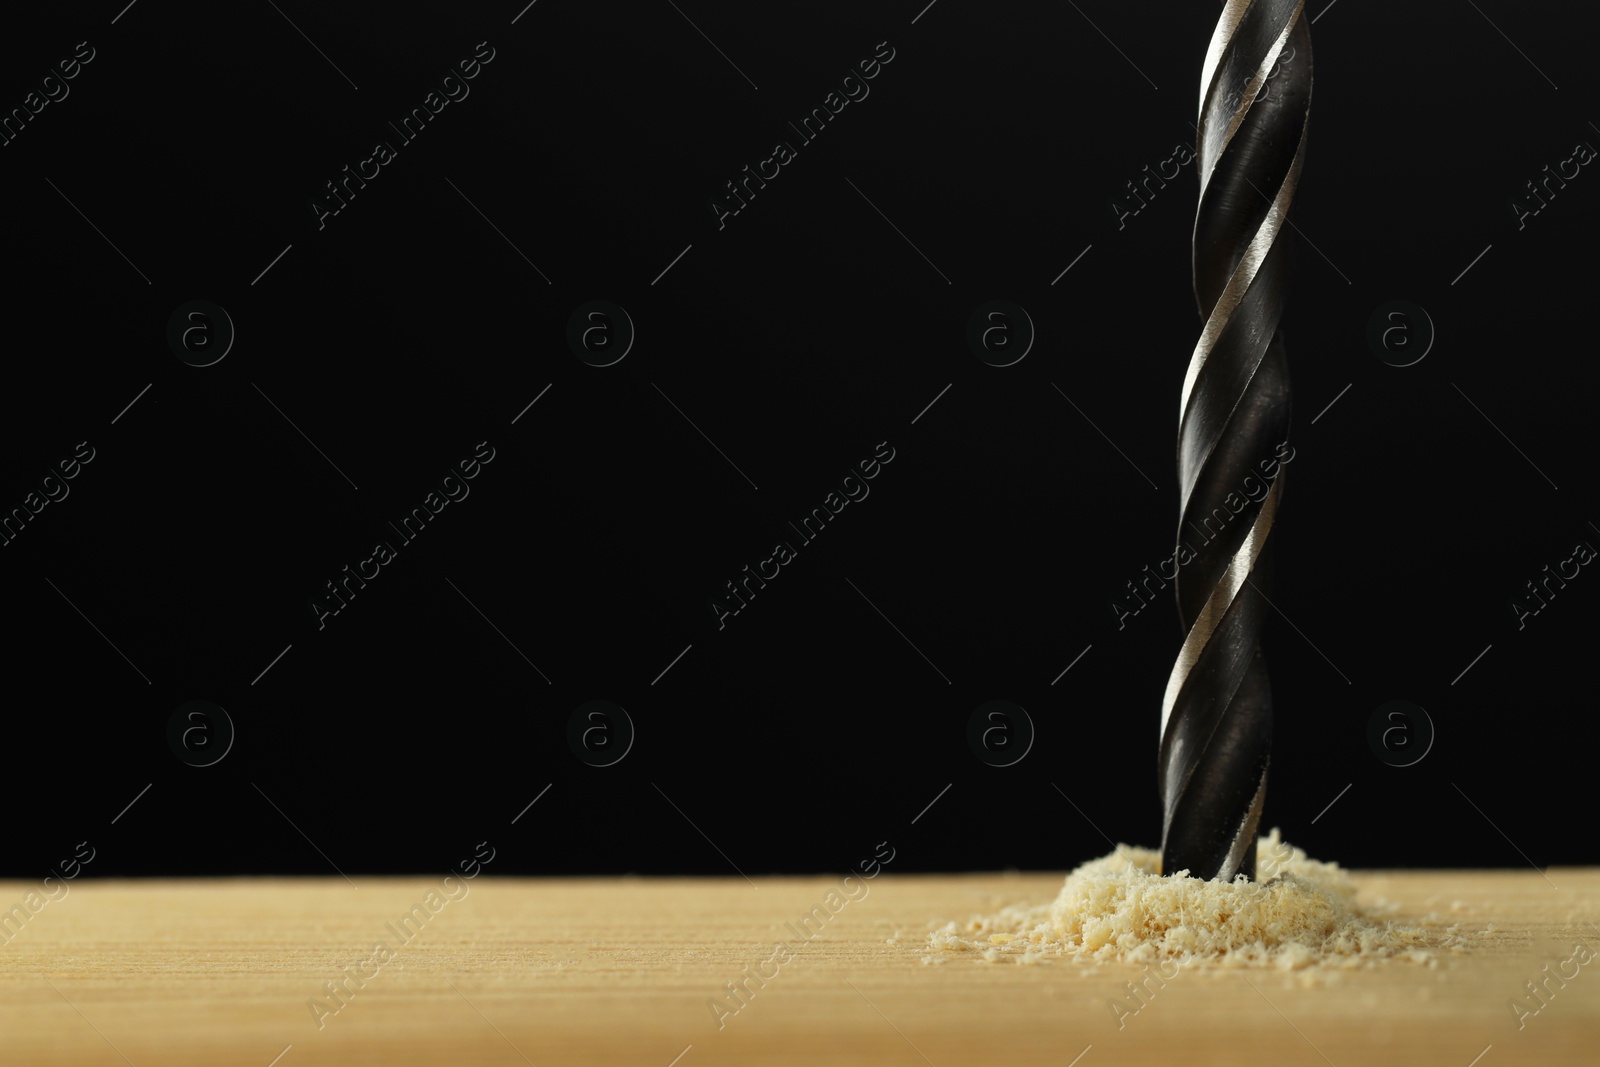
x=1216, y=715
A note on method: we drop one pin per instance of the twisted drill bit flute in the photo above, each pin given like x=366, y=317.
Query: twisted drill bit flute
x=1216, y=715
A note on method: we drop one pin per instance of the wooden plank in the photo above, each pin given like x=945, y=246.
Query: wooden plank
x=621, y=971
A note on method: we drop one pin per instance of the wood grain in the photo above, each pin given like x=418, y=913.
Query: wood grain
x=622, y=971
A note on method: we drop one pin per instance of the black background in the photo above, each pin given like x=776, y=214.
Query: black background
x=797, y=337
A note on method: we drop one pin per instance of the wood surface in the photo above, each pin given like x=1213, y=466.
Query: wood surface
x=621, y=971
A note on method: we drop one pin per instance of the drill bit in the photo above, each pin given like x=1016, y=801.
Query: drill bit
x=1216, y=715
